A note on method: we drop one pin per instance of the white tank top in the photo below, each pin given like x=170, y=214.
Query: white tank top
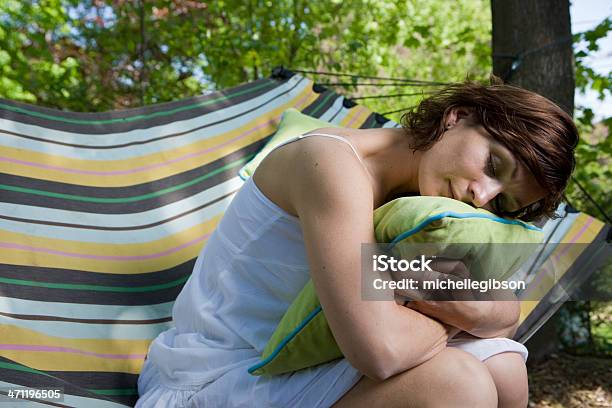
x=251, y=269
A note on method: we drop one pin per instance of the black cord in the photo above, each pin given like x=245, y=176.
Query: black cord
x=393, y=96
x=367, y=84
x=537, y=258
x=398, y=110
x=517, y=59
x=592, y=200
x=407, y=80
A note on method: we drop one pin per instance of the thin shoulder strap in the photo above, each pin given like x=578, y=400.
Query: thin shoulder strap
x=321, y=134
x=337, y=138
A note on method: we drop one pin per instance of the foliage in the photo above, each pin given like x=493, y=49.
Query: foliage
x=594, y=153
x=585, y=327
x=574, y=330
x=601, y=327
x=88, y=55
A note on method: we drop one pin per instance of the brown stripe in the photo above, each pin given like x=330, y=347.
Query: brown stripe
x=91, y=321
x=144, y=123
x=123, y=204
x=90, y=296
x=132, y=228
x=107, y=278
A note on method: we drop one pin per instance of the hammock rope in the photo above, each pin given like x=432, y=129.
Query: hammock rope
x=392, y=96
x=369, y=84
x=404, y=80
x=592, y=200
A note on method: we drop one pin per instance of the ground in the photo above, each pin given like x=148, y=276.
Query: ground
x=569, y=381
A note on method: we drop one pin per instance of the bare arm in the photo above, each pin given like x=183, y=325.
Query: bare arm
x=484, y=319
x=334, y=202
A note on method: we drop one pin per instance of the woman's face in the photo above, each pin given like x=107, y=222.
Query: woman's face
x=468, y=165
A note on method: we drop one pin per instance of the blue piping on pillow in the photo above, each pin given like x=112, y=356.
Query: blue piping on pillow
x=286, y=340
x=453, y=214
x=399, y=238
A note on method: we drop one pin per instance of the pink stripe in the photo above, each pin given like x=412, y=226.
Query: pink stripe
x=301, y=102
x=539, y=276
x=103, y=257
x=584, y=228
x=138, y=169
x=574, y=238
x=357, y=114
x=71, y=350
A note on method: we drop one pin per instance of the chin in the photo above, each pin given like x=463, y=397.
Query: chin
x=432, y=187
x=429, y=193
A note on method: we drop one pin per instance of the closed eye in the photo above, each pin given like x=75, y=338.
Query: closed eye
x=491, y=171
x=490, y=167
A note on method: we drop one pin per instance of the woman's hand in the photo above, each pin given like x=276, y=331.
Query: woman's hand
x=467, y=311
x=484, y=319
x=443, y=269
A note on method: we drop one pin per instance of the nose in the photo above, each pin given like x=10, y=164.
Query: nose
x=484, y=190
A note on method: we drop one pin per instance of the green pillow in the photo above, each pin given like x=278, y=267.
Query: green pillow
x=293, y=123
x=447, y=222
x=303, y=338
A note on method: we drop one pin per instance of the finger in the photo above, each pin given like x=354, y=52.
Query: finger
x=450, y=266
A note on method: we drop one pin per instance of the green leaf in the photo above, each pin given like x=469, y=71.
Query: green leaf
x=5, y=58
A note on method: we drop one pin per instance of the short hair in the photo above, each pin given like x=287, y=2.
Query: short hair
x=537, y=131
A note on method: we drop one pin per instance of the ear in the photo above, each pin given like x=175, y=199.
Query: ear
x=456, y=114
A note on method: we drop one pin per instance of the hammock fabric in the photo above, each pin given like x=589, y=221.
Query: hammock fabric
x=102, y=217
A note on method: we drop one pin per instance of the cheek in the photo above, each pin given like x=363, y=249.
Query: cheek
x=469, y=165
x=532, y=190
x=430, y=176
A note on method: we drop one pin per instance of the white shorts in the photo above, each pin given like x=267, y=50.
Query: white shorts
x=485, y=348
x=319, y=386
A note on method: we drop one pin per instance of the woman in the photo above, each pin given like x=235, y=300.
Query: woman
x=305, y=213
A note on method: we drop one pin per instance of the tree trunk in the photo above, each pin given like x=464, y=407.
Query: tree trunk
x=532, y=47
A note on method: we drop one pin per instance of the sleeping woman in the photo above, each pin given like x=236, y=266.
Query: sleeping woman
x=304, y=215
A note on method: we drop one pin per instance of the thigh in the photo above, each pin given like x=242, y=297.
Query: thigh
x=453, y=378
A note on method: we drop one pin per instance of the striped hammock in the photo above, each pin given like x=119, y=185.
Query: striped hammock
x=102, y=216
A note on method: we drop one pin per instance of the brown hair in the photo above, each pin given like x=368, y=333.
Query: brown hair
x=539, y=133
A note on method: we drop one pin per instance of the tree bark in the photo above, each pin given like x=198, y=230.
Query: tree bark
x=532, y=47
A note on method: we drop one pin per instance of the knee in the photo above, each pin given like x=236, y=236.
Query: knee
x=469, y=380
x=510, y=376
x=453, y=378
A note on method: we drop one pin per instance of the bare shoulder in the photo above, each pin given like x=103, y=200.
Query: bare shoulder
x=310, y=170
x=330, y=170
